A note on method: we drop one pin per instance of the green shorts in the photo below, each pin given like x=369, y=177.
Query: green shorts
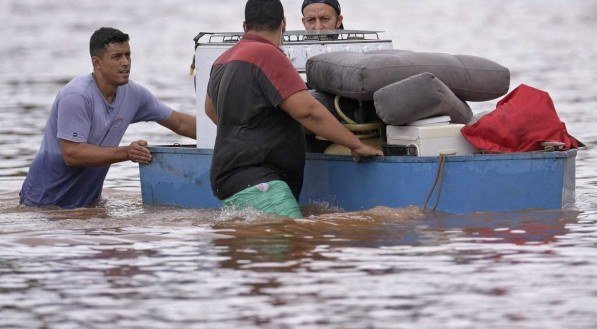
x=273, y=197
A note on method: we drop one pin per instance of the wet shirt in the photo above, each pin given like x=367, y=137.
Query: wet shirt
x=81, y=114
x=256, y=141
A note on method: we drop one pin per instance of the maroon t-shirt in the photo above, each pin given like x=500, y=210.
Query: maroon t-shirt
x=256, y=140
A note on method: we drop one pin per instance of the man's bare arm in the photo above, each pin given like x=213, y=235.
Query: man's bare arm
x=182, y=124
x=315, y=117
x=210, y=111
x=87, y=155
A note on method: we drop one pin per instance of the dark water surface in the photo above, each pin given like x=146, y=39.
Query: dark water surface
x=123, y=264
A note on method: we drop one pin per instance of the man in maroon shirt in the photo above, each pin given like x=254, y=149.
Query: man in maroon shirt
x=260, y=105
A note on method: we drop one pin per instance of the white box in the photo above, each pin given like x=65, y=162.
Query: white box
x=431, y=140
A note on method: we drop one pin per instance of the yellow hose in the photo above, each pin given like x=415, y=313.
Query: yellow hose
x=340, y=113
x=366, y=130
x=353, y=125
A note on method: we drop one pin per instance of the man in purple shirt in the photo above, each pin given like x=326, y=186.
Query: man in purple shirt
x=86, y=124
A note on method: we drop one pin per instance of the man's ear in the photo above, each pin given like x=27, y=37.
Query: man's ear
x=95, y=61
x=339, y=21
x=245, y=26
x=284, y=25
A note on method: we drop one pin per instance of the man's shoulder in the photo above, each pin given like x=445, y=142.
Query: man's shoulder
x=258, y=53
x=80, y=86
x=264, y=46
x=265, y=51
x=85, y=85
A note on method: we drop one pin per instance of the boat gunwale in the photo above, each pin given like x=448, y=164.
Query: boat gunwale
x=192, y=149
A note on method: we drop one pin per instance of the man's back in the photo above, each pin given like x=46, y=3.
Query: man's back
x=260, y=105
x=257, y=142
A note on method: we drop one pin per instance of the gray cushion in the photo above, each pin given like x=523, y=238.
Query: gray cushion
x=419, y=97
x=359, y=75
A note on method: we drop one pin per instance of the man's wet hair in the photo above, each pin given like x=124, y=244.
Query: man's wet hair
x=263, y=15
x=103, y=37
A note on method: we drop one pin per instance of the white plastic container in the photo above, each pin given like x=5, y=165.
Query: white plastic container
x=431, y=140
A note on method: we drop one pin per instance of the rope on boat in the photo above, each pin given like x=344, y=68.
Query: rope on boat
x=439, y=177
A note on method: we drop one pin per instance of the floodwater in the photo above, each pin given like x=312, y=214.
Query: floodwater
x=125, y=265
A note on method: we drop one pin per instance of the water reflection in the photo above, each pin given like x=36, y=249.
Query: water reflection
x=284, y=245
x=124, y=269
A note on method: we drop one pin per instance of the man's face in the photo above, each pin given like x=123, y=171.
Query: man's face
x=115, y=64
x=320, y=16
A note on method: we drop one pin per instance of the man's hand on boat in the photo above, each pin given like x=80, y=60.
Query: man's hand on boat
x=139, y=153
x=304, y=108
x=364, y=151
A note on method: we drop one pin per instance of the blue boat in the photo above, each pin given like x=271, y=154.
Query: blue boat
x=179, y=176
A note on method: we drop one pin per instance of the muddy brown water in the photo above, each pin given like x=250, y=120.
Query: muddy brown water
x=126, y=265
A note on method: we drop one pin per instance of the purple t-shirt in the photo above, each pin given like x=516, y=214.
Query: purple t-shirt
x=81, y=114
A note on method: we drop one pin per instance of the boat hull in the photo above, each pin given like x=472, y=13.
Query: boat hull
x=179, y=176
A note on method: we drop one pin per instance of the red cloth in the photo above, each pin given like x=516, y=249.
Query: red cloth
x=522, y=120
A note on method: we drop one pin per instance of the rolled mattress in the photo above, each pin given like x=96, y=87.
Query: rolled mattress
x=359, y=75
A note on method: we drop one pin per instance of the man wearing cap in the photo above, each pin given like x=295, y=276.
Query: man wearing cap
x=322, y=15
x=260, y=105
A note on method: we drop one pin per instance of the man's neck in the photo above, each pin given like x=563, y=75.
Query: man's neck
x=106, y=89
x=273, y=37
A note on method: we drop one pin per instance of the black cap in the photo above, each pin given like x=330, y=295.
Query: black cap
x=334, y=3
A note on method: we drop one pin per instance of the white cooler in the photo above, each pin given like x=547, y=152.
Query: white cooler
x=431, y=140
